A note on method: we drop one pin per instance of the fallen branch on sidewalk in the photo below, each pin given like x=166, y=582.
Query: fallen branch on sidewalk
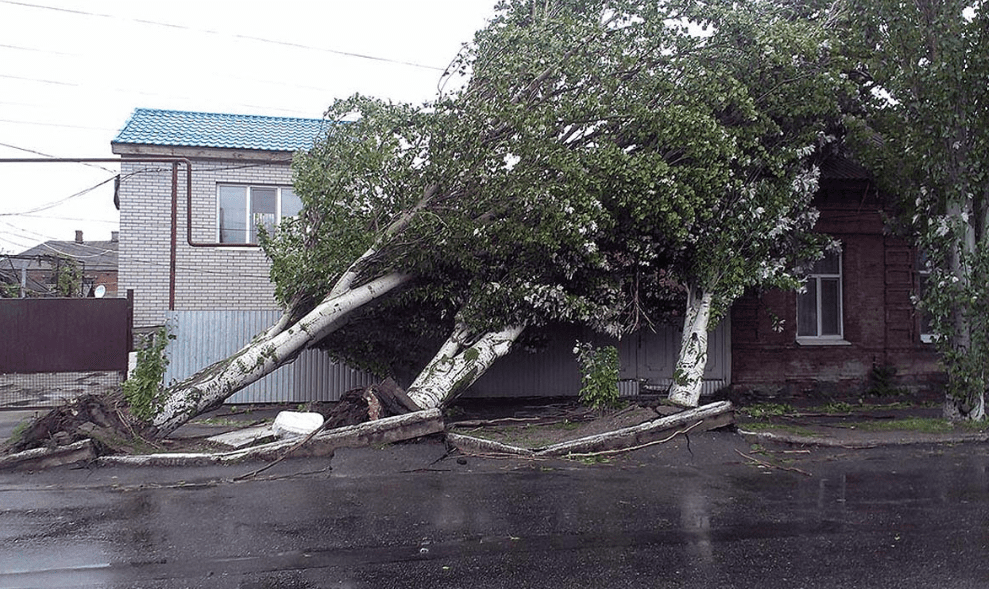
x=765, y=464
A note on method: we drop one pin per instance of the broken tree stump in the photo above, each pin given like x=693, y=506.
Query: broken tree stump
x=384, y=399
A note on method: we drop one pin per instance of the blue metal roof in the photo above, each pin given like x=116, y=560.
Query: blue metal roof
x=148, y=126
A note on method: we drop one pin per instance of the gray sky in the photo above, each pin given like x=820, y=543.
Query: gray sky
x=72, y=71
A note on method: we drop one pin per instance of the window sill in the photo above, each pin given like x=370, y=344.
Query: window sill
x=233, y=247
x=822, y=341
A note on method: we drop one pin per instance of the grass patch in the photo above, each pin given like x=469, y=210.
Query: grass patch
x=763, y=410
x=18, y=434
x=926, y=425
x=840, y=407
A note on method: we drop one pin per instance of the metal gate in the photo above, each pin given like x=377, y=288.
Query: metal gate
x=57, y=348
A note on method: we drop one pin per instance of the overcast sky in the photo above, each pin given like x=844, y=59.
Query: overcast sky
x=72, y=71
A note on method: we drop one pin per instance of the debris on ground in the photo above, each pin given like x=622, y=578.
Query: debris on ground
x=577, y=431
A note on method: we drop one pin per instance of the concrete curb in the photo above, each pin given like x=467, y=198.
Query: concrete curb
x=702, y=418
x=475, y=444
x=382, y=431
x=38, y=458
x=856, y=444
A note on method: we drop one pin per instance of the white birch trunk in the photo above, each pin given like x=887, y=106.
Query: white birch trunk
x=973, y=405
x=209, y=387
x=457, y=366
x=688, y=376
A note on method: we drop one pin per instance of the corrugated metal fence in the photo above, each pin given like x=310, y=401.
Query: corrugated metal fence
x=647, y=360
x=204, y=337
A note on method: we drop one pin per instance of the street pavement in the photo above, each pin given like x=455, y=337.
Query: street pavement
x=707, y=510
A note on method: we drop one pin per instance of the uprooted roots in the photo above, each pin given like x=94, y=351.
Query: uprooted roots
x=101, y=418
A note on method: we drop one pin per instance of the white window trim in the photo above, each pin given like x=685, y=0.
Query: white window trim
x=922, y=271
x=830, y=339
x=925, y=337
x=247, y=208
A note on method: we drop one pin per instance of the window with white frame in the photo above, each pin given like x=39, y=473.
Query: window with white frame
x=819, y=313
x=242, y=209
x=923, y=278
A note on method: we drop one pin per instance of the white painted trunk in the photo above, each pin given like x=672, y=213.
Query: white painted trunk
x=972, y=406
x=688, y=376
x=973, y=409
x=209, y=387
x=456, y=366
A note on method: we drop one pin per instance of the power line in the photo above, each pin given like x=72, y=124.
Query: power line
x=36, y=50
x=54, y=204
x=233, y=35
x=26, y=150
x=27, y=233
x=99, y=252
x=59, y=125
x=53, y=218
x=39, y=80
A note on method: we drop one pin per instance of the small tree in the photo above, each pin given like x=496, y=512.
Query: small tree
x=67, y=277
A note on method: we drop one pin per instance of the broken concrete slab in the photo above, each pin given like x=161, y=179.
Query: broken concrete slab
x=296, y=423
x=706, y=417
x=241, y=438
x=382, y=431
x=37, y=458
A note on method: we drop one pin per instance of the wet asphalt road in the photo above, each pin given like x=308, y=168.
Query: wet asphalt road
x=662, y=517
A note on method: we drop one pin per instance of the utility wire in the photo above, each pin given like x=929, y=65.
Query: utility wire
x=35, y=152
x=234, y=35
x=36, y=50
x=81, y=219
x=50, y=205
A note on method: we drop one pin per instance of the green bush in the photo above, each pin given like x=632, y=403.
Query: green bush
x=599, y=375
x=143, y=389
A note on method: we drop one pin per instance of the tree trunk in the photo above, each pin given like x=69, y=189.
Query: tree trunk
x=966, y=404
x=209, y=387
x=969, y=402
x=458, y=365
x=689, y=372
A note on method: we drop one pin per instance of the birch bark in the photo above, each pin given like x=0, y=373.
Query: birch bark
x=688, y=375
x=457, y=365
x=209, y=387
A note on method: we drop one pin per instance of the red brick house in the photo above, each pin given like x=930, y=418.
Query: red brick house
x=855, y=327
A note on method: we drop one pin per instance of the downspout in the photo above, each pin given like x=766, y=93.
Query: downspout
x=173, y=245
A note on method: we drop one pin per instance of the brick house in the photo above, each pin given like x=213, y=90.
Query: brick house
x=241, y=176
x=855, y=327
x=207, y=279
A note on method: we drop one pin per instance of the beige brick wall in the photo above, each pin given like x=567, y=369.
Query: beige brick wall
x=206, y=277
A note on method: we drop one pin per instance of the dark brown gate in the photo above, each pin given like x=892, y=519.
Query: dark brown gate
x=44, y=341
